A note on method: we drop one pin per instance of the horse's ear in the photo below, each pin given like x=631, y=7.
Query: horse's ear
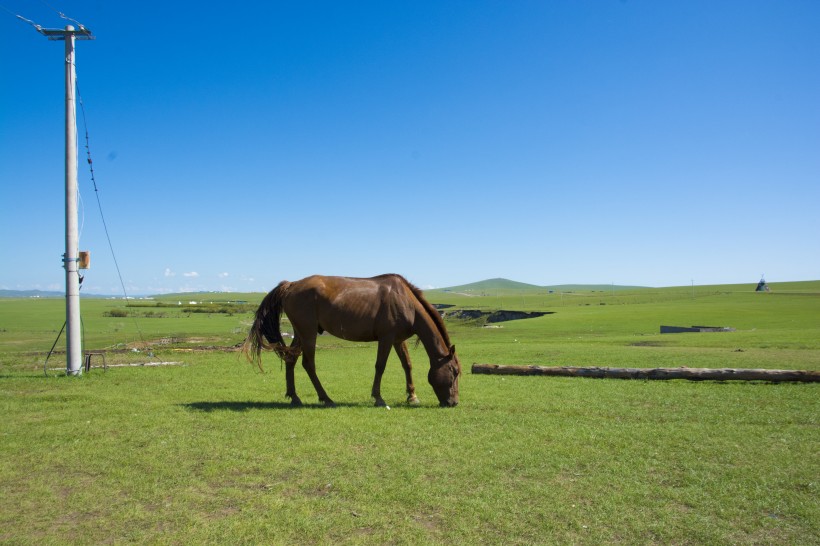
x=452, y=350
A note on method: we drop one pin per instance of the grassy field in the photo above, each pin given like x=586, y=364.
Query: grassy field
x=208, y=450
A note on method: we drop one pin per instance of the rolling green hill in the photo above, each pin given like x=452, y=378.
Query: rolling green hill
x=493, y=285
x=502, y=286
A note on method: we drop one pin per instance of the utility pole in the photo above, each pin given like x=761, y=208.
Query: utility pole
x=74, y=350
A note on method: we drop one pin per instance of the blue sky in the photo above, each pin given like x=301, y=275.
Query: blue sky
x=628, y=142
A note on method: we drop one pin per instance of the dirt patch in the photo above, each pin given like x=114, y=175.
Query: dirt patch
x=648, y=344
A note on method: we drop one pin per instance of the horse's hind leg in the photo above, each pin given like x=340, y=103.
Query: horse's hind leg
x=309, y=364
x=290, y=365
x=404, y=356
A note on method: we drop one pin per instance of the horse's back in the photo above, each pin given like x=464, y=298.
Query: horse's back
x=358, y=309
x=330, y=287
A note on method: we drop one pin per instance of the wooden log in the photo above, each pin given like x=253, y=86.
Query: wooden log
x=692, y=374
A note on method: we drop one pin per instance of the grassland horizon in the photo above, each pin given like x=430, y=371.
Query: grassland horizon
x=487, y=285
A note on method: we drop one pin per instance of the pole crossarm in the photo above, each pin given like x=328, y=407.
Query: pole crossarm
x=81, y=33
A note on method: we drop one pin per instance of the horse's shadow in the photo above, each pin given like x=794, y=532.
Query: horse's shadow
x=226, y=405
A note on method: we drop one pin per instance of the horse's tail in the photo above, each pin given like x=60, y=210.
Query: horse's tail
x=265, y=332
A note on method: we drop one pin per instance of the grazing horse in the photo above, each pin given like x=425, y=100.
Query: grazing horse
x=387, y=309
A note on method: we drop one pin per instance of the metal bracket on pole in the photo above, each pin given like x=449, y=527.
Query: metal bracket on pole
x=80, y=33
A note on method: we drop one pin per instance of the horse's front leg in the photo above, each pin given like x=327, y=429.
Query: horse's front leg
x=381, y=363
x=404, y=356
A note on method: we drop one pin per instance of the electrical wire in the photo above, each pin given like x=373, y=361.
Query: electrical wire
x=102, y=215
x=63, y=15
x=37, y=27
x=8, y=10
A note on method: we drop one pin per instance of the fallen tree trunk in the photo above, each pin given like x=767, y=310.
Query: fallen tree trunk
x=693, y=374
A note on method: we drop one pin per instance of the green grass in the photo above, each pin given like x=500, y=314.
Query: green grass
x=210, y=452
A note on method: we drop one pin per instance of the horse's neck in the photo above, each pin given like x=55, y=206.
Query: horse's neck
x=429, y=335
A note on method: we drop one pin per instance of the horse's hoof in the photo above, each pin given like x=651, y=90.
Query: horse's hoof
x=295, y=402
x=329, y=403
x=413, y=400
x=380, y=403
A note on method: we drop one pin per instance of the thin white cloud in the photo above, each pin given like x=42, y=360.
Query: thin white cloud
x=192, y=274
x=169, y=273
x=223, y=275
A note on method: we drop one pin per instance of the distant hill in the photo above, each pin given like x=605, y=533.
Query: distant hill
x=495, y=286
x=210, y=297
x=45, y=294
x=30, y=294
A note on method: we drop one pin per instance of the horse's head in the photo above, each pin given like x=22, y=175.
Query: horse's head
x=443, y=377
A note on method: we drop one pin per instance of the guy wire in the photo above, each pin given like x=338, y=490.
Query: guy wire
x=102, y=216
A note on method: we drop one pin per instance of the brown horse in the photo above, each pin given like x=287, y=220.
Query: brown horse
x=387, y=309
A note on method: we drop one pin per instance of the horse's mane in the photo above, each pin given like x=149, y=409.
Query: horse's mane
x=433, y=313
